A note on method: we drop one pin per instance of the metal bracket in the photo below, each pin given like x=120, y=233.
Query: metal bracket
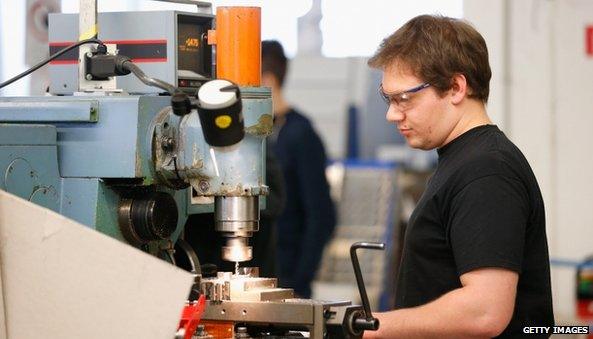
x=89, y=85
x=41, y=111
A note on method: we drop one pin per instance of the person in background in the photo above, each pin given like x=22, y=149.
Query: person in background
x=475, y=260
x=309, y=218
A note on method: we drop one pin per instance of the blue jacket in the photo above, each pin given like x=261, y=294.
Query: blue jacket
x=309, y=216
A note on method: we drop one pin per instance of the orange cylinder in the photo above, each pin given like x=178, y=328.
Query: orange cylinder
x=238, y=45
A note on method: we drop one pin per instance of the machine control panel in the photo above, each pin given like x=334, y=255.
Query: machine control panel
x=169, y=45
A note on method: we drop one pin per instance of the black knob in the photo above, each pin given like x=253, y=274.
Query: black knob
x=152, y=217
x=366, y=324
x=180, y=104
x=209, y=270
x=220, y=113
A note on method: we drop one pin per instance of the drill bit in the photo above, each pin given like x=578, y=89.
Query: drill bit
x=236, y=268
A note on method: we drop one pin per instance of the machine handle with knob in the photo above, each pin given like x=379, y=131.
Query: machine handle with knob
x=368, y=322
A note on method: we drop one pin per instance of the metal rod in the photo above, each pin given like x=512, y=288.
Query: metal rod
x=358, y=274
x=148, y=80
x=87, y=29
x=87, y=20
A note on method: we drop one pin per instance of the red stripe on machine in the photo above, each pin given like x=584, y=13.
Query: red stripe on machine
x=63, y=62
x=154, y=50
x=117, y=42
x=138, y=61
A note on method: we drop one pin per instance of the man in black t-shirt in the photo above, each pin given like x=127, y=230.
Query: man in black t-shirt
x=475, y=258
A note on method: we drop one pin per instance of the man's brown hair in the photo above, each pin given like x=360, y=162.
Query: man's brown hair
x=274, y=60
x=436, y=48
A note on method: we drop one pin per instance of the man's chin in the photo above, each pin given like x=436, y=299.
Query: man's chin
x=417, y=144
x=413, y=143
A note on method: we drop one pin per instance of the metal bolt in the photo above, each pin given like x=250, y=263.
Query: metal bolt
x=241, y=332
x=89, y=77
x=89, y=54
x=201, y=330
x=180, y=333
x=168, y=143
x=204, y=185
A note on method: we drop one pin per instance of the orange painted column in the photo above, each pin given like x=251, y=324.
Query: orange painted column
x=238, y=44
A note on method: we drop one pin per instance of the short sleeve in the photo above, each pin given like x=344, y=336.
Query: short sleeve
x=487, y=224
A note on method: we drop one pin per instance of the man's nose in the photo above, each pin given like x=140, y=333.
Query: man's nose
x=393, y=114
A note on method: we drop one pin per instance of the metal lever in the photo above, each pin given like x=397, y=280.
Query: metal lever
x=369, y=322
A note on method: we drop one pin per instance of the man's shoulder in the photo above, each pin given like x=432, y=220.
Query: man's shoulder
x=296, y=118
x=493, y=154
x=297, y=125
x=493, y=160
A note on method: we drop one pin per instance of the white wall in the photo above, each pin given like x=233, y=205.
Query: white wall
x=325, y=86
x=543, y=98
x=12, y=46
x=493, y=30
x=356, y=28
x=322, y=89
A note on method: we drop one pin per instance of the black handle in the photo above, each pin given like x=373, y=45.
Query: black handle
x=223, y=126
x=369, y=322
x=181, y=104
x=366, y=324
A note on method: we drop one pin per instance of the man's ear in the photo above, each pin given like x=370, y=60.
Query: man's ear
x=459, y=89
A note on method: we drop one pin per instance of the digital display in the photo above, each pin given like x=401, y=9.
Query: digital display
x=191, y=54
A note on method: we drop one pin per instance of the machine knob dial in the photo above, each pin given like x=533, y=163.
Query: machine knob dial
x=152, y=217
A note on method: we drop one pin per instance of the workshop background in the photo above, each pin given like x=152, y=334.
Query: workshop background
x=541, y=54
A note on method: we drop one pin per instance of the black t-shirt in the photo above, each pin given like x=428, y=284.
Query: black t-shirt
x=481, y=208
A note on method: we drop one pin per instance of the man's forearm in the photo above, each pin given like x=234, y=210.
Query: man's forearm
x=454, y=315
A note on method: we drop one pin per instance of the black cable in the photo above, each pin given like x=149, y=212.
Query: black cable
x=46, y=61
x=130, y=66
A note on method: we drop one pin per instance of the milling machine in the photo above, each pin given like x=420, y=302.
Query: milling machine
x=132, y=156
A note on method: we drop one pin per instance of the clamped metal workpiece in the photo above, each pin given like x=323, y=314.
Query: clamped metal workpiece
x=262, y=308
